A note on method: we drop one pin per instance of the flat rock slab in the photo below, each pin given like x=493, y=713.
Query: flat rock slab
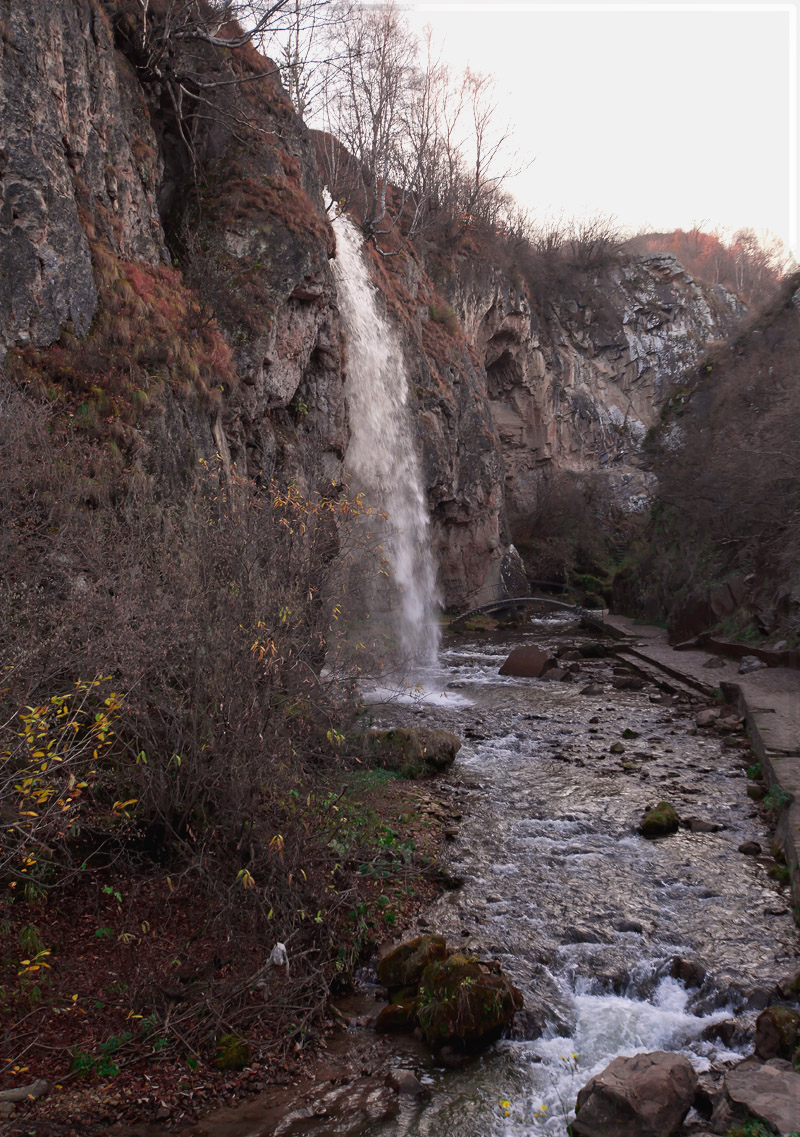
x=771, y=1091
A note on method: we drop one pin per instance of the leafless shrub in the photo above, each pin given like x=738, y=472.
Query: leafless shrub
x=565, y=535
x=730, y=480
x=211, y=617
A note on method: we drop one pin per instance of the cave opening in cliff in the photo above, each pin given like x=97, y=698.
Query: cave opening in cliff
x=504, y=372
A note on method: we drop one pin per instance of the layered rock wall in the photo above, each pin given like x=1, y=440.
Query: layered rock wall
x=576, y=381
x=93, y=176
x=78, y=159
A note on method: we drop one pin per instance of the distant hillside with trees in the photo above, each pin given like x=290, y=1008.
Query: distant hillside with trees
x=729, y=484
x=746, y=264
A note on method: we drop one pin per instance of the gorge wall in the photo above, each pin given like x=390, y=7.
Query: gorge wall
x=100, y=192
x=578, y=374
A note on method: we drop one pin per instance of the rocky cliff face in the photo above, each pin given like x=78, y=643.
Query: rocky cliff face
x=77, y=160
x=93, y=175
x=576, y=381
x=92, y=172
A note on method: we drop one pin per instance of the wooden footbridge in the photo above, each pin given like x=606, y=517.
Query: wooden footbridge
x=512, y=604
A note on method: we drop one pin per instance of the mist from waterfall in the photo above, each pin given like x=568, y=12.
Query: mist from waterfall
x=381, y=456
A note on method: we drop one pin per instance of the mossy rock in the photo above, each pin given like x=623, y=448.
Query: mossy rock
x=777, y=1032
x=233, y=1053
x=475, y=624
x=660, y=821
x=405, y=994
x=412, y=752
x=398, y=1017
x=404, y=965
x=464, y=1002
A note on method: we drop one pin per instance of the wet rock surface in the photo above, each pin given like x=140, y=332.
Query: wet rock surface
x=647, y=1095
x=770, y=1091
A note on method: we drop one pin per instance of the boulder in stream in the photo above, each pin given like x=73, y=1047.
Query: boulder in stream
x=777, y=1034
x=708, y=716
x=647, y=1095
x=527, y=662
x=413, y=752
x=405, y=1081
x=404, y=965
x=770, y=1092
x=660, y=821
x=400, y=1017
x=464, y=1002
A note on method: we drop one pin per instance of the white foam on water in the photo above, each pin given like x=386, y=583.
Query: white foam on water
x=526, y=1089
x=412, y=694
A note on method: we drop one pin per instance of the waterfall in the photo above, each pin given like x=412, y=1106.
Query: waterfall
x=381, y=457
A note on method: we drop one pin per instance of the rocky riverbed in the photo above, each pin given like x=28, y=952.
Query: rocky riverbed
x=619, y=944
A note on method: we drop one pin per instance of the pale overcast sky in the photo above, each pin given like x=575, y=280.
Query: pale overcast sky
x=660, y=114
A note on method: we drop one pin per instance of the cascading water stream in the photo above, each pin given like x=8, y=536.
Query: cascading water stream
x=592, y=921
x=381, y=456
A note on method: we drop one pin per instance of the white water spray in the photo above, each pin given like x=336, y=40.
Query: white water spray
x=381, y=454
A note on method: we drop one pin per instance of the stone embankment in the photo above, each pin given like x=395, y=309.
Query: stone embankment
x=768, y=699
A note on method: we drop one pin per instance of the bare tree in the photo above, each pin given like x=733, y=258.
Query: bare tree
x=365, y=112
x=185, y=51
x=405, y=144
x=488, y=142
x=306, y=49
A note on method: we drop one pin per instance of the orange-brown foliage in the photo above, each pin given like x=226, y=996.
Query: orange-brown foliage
x=149, y=335
x=743, y=265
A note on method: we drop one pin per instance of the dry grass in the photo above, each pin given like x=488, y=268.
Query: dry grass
x=150, y=336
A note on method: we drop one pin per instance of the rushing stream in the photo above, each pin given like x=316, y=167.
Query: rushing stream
x=619, y=944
